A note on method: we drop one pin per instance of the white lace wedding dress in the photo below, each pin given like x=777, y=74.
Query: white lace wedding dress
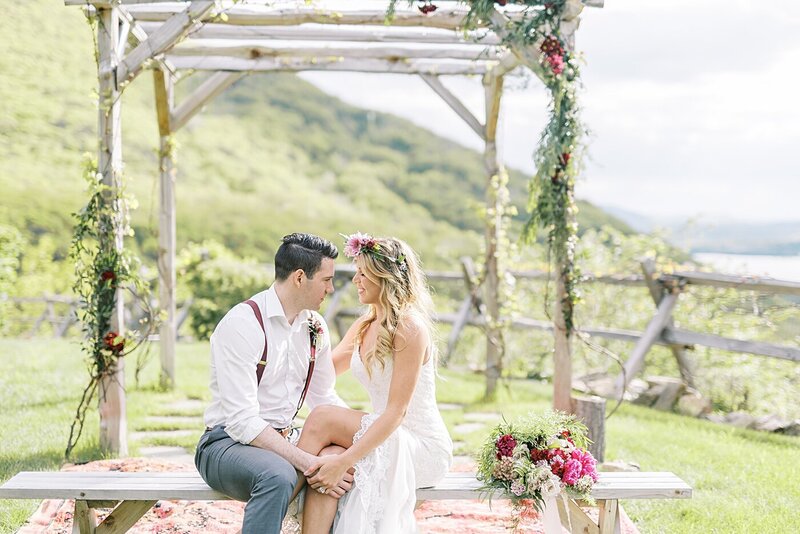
x=416, y=455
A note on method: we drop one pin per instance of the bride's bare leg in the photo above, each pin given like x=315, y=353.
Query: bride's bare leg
x=301, y=478
x=325, y=426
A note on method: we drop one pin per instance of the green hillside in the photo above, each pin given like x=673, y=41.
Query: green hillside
x=271, y=156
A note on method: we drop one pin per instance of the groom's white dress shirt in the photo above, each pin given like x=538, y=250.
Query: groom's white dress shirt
x=237, y=343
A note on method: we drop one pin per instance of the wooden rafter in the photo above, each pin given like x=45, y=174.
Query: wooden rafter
x=332, y=33
x=135, y=29
x=444, y=67
x=258, y=49
x=450, y=17
x=163, y=39
x=451, y=100
x=208, y=90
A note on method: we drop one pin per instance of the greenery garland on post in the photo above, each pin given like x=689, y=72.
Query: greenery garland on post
x=100, y=269
x=552, y=189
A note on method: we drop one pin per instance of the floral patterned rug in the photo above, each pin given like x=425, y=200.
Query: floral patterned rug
x=223, y=517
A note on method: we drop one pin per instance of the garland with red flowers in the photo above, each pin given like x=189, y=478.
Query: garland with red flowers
x=552, y=189
x=101, y=269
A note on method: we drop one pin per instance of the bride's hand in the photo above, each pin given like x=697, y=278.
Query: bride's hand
x=328, y=472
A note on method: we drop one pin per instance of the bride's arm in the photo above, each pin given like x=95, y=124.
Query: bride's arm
x=411, y=343
x=344, y=350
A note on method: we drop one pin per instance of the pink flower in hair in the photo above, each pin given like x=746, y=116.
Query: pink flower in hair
x=355, y=243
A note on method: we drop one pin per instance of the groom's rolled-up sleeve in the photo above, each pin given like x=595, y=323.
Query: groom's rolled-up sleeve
x=236, y=351
x=321, y=390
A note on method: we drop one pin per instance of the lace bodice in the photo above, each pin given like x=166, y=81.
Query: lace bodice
x=422, y=416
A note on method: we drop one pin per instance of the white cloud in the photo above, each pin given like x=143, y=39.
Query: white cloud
x=692, y=107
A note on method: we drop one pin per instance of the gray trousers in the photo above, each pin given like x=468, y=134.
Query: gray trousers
x=261, y=478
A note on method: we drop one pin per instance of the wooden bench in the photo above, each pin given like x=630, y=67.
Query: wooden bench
x=133, y=494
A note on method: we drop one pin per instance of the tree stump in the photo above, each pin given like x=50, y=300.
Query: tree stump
x=592, y=411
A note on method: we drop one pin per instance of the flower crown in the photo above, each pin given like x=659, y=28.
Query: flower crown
x=357, y=243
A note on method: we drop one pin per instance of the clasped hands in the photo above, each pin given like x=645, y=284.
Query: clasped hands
x=330, y=475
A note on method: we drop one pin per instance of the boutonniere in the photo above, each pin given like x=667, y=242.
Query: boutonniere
x=315, y=333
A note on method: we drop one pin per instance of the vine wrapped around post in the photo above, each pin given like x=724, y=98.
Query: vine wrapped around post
x=100, y=270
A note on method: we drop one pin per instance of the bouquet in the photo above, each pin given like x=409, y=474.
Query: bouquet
x=536, y=458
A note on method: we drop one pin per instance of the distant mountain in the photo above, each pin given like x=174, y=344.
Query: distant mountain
x=272, y=155
x=697, y=235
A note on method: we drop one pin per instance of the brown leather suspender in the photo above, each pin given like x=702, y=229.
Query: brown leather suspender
x=262, y=364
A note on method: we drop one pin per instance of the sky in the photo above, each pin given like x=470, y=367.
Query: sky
x=692, y=107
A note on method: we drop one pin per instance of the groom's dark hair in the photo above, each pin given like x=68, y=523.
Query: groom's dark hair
x=302, y=251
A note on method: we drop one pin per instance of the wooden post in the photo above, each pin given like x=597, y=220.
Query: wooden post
x=657, y=292
x=493, y=87
x=113, y=423
x=592, y=411
x=166, y=229
x=562, y=355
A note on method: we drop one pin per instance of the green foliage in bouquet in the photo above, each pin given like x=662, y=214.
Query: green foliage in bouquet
x=536, y=458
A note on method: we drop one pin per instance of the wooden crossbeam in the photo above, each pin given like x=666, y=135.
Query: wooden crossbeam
x=253, y=49
x=140, y=35
x=455, y=104
x=173, y=30
x=419, y=66
x=449, y=17
x=335, y=33
x=208, y=90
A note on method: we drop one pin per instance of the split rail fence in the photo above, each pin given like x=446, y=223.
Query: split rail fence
x=665, y=289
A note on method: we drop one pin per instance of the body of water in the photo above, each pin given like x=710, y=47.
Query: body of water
x=780, y=267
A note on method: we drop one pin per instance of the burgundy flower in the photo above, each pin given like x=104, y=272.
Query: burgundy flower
x=114, y=342
x=427, y=8
x=538, y=455
x=551, y=46
x=565, y=161
x=505, y=445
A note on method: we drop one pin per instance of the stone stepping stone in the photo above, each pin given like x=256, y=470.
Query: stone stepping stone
x=448, y=406
x=178, y=421
x=489, y=417
x=172, y=454
x=458, y=444
x=165, y=434
x=468, y=428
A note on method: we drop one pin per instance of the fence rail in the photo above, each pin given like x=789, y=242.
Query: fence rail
x=660, y=330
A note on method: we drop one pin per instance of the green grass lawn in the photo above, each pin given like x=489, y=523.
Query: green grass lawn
x=743, y=481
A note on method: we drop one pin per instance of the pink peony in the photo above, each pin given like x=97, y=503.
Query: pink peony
x=356, y=242
x=505, y=445
x=572, y=472
x=556, y=63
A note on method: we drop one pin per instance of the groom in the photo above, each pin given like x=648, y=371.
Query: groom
x=267, y=355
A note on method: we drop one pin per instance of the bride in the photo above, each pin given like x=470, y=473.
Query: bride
x=403, y=444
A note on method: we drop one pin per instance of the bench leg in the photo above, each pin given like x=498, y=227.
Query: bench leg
x=84, y=520
x=609, y=517
x=124, y=516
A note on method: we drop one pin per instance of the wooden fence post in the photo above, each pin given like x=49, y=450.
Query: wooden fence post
x=592, y=411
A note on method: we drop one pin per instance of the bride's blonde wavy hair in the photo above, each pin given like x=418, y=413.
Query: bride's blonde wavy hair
x=403, y=293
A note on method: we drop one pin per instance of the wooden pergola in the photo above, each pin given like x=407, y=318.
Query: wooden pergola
x=232, y=40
